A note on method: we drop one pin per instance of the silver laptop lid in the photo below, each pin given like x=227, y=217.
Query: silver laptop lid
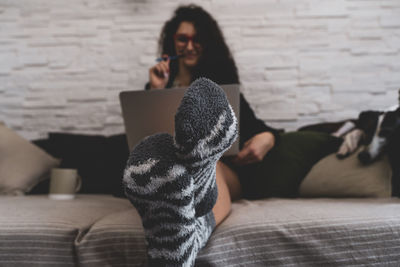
x=148, y=112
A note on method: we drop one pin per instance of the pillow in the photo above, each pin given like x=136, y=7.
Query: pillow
x=100, y=160
x=333, y=177
x=87, y=154
x=118, y=151
x=22, y=164
x=284, y=167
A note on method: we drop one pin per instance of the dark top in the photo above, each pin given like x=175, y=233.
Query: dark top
x=249, y=124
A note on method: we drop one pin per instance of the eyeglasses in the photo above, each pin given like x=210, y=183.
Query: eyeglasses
x=184, y=39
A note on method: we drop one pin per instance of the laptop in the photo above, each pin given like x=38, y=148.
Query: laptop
x=153, y=111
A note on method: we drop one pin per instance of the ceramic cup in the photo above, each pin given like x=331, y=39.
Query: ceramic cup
x=64, y=183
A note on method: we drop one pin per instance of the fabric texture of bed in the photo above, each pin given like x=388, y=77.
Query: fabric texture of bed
x=100, y=230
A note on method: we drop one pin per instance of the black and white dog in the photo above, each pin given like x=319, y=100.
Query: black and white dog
x=379, y=132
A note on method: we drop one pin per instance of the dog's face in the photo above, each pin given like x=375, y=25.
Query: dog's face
x=379, y=129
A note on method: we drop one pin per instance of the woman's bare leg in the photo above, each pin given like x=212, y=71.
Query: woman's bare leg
x=229, y=189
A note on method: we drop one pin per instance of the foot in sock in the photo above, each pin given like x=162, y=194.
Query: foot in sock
x=205, y=127
x=162, y=192
x=172, y=182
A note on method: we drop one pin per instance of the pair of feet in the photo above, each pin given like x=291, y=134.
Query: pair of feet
x=171, y=180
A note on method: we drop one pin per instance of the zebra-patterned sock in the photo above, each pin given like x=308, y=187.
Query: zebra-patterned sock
x=171, y=182
x=205, y=127
x=162, y=191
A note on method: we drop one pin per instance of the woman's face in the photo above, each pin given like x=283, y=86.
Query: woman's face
x=187, y=44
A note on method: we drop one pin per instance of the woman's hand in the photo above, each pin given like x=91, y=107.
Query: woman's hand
x=159, y=74
x=255, y=149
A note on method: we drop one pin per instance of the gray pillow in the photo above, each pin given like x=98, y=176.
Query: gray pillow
x=22, y=164
x=332, y=177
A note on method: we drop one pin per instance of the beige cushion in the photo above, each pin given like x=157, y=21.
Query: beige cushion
x=332, y=177
x=22, y=164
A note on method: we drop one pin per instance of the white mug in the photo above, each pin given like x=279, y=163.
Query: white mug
x=64, y=183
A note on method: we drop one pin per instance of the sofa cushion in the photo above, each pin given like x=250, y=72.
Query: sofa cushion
x=117, y=239
x=333, y=177
x=284, y=167
x=22, y=164
x=306, y=232
x=88, y=155
x=38, y=231
x=100, y=160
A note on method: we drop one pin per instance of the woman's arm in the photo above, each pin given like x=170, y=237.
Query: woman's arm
x=256, y=138
x=250, y=125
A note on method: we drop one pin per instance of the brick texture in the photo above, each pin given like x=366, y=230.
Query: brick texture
x=63, y=63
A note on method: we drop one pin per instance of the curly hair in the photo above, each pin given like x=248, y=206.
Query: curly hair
x=216, y=62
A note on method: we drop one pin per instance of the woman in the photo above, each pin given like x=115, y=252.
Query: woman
x=177, y=184
x=195, y=42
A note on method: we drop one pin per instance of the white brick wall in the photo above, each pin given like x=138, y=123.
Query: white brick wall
x=63, y=63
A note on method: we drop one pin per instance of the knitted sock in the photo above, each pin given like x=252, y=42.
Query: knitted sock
x=162, y=192
x=205, y=127
x=172, y=182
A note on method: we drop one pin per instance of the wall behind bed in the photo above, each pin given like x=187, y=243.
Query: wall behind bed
x=63, y=63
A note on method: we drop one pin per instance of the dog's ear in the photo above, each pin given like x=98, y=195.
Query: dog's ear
x=390, y=123
x=367, y=122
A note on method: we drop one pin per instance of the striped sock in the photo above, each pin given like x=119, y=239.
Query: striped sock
x=162, y=192
x=171, y=182
x=205, y=127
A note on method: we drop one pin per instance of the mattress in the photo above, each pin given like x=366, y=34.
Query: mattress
x=100, y=230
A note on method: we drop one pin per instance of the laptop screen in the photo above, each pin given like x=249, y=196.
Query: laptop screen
x=153, y=111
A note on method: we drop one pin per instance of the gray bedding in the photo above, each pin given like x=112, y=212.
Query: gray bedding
x=99, y=230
